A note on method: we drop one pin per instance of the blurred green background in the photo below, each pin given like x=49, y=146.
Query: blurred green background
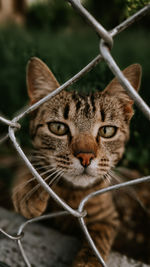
x=54, y=32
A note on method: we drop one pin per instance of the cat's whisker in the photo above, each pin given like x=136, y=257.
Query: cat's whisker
x=47, y=171
x=56, y=180
x=42, y=167
x=52, y=174
x=107, y=178
x=115, y=177
x=42, y=157
x=37, y=156
x=36, y=187
x=52, y=156
x=30, y=193
x=130, y=191
x=45, y=179
x=55, y=157
x=37, y=163
x=40, y=161
x=37, y=152
x=36, y=160
x=22, y=185
x=56, y=177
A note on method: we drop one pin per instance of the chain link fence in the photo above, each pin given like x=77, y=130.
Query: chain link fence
x=105, y=45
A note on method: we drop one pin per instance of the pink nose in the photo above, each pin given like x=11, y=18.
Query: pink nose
x=85, y=158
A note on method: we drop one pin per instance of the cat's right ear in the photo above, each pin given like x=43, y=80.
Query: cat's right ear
x=40, y=80
x=115, y=89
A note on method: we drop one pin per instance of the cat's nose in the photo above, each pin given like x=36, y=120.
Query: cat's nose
x=85, y=158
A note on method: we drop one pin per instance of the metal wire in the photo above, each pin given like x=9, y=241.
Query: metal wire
x=129, y=21
x=15, y=237
x=23, y=225
x=123, y=81
x=10, y=123
x=74, y=79
x=105, y=46
x=3, y=139
x=39, y=178
x=93, y=22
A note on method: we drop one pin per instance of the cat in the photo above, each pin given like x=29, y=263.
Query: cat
x=78, y=139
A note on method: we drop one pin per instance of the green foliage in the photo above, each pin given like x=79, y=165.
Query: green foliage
x=133, y=47
x=66, y=53
x=134, y=5
x=54, y=14
x=101, y=10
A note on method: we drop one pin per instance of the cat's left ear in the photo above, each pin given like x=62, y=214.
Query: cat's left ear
x=133, y=74
x=40, y=80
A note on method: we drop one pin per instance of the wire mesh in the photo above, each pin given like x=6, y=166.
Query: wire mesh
x=105, y=46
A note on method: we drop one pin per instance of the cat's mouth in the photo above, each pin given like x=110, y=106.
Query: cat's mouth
x=85, y=172
x=83, y=179
x=86, y=175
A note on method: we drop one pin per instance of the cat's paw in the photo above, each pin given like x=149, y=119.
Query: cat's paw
x=29, y=208
x=28, y=197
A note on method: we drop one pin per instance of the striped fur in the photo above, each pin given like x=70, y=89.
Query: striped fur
x=72, y=149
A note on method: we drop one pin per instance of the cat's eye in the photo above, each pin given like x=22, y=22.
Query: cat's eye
x=58, y=128
x=107, y=131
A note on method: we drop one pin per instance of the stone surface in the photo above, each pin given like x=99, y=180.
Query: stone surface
x=118, y=260
x=44, y=247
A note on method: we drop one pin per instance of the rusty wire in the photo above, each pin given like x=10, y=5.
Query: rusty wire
x=105, y=46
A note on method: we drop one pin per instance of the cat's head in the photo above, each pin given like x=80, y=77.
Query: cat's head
x=80, y=137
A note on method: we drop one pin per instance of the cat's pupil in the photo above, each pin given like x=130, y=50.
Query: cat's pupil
x=58, y=128
x=108, y=131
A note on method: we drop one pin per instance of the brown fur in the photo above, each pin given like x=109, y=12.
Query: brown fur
x=96, y=128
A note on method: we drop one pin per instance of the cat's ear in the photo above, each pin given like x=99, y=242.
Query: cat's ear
x=40, y=80
x=133, y=74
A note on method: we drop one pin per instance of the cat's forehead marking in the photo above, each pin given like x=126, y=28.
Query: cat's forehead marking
x=66, y=111
x=83, y=111
x=84, y=105
x=111, y=110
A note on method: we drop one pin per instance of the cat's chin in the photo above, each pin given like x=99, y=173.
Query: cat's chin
x=83, y=180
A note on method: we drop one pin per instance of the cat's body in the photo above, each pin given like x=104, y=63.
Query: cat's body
x=78, y=140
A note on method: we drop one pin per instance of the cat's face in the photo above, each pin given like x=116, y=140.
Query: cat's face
x=80, y=137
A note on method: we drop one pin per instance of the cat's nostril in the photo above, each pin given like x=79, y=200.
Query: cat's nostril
x=85, y=158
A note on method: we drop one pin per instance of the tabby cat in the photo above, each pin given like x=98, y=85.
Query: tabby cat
x=78, y=140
